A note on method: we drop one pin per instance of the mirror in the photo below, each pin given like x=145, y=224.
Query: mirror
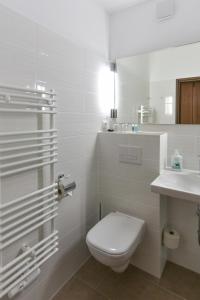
x=161, y=87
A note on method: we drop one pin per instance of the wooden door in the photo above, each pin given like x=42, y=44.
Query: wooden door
x=186, y=106
x=196, y=103
x=188, y=101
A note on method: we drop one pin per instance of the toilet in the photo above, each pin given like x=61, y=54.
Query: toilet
x=114, y=239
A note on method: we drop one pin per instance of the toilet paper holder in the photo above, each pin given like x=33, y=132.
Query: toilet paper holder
x=65, y=190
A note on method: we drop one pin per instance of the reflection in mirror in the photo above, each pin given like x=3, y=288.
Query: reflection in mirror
x=161, y=87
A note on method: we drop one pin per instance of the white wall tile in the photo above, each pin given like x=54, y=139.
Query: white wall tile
x=70, y=100
x=93, y=62
x=185, y=138
x=16, y=30
x=31, y=53
x=188, y=252
x=126, y=188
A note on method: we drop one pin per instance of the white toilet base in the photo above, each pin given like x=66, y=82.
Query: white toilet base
x=121, y=268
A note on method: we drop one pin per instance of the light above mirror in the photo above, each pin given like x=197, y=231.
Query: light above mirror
x=161, y=87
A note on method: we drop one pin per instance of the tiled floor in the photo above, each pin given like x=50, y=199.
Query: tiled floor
x=97, y=282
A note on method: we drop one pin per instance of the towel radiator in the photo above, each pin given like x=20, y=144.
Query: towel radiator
x=30, y=214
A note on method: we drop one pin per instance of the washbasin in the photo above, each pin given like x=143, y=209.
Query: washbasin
x=183, y=185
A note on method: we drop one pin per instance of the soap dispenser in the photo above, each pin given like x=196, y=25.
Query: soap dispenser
x=177, y=161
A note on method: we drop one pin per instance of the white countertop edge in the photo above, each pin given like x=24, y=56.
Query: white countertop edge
x=158, y=188
x=140, y=133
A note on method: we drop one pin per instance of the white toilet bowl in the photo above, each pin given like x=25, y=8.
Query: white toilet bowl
x=114, y=239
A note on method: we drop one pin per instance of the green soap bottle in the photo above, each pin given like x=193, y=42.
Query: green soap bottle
x=177, y=161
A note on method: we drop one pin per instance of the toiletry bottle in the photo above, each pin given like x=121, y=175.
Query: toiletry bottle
x=177, y=161
x=135, y=128
x=104, y=125
x=113, y=119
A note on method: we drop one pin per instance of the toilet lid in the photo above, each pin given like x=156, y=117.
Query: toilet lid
x=115, y=233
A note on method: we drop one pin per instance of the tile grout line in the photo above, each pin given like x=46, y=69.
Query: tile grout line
x=157, y=284
x=145, y=278
x=91, y=287
x=171, y=293
x=68, y=281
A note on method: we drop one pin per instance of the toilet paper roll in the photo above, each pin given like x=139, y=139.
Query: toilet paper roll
x=171, y=238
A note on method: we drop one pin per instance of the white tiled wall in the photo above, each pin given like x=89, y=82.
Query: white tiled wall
x=86, y=21
x=185, y=138
x=126, y=187
x=151, y=36
x=181, y=214
x=30, y=53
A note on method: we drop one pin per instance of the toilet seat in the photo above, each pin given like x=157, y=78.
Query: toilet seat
x=116, y=235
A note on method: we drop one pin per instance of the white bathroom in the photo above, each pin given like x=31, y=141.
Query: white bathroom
x=99, y=150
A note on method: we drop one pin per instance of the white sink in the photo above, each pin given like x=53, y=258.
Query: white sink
x=183, y=185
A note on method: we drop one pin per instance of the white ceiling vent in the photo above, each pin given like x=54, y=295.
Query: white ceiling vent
x=165, y=9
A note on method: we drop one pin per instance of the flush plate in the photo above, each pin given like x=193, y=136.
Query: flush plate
x=130, y=154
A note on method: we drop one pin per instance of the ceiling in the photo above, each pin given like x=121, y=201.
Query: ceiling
x=116, y=5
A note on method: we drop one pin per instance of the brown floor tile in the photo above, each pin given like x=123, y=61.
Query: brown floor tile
x=144, y=275
x=78, y=290
x=64, y=290
x=109, y=285
x=129, y=285
x=153, y=292
x=132, y=284
x=59, y=296
x=181, y=281
x=133, y=287
x=97, y=282
x=93, y=273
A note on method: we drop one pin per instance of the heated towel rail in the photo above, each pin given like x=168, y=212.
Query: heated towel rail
x=22, y=152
